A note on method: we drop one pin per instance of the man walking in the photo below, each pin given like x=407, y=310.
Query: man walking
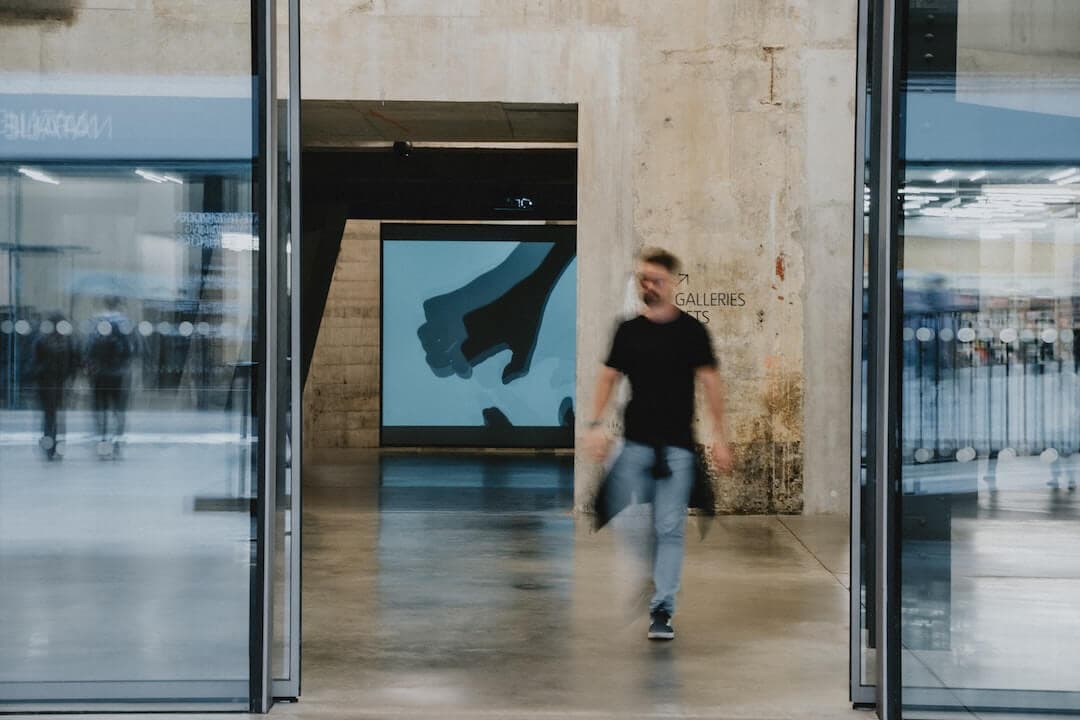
x=662, y=352
x=108, y=357
x=55, y=362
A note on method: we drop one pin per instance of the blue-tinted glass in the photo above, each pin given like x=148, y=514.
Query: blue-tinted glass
x=990, y=399
x=478, y=340
x=128, y=286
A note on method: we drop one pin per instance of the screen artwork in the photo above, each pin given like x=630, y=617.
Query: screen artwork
x=478, y=342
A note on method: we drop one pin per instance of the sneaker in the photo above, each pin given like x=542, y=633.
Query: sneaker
x=661, y=628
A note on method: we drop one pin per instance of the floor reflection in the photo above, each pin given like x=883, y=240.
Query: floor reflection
x=133, y=568
x=458, y=586
x=991, y=580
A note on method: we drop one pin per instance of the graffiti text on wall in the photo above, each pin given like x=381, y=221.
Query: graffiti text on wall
x=229, y=230
x=38, y=125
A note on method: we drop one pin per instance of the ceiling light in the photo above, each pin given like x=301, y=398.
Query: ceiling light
x=942, y=175
x=1054, y=177
x=152, y=177
x=979, y=175
x=914, y=190
x=158, y=177
x=38, y=175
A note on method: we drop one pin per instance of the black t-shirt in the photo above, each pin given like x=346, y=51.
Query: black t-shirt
x=660, y=359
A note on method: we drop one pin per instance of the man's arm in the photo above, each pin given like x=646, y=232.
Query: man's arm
x=605, y=385
x=596, y=439
x=714, y=396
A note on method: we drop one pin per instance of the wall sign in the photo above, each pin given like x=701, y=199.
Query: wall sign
x=42, y=127
x=701, y=303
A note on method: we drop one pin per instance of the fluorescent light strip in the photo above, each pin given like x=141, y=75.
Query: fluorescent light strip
x=158, y=178
x=915, y=189
x=152, y=177
x=38, y=175
x=1063, y=174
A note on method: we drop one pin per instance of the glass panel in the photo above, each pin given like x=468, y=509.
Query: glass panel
x=129, y=266
x=990, y=423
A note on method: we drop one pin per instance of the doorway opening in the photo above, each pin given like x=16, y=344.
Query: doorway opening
x=438, y=333
x=439, y=275
x=443, y=562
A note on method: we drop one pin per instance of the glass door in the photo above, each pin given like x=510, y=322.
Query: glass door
x=131, y=228
x=988, y=241
x=975, y=274
x=148, y=441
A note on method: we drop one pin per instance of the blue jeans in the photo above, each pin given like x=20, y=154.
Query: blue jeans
x=657, y=537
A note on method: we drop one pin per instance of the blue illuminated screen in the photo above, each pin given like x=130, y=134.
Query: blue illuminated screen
x=478, y=343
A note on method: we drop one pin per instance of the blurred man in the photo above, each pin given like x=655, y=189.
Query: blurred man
x=662, y=351
x=108, y=361
x=54, y=363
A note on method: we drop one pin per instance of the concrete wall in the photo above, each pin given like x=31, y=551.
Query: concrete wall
x=341, y=399
x=722, y=130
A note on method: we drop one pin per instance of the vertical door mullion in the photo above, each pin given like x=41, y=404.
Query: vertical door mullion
x=859, y=693
x=297, y=406
x=268, y=248
x=884, y=98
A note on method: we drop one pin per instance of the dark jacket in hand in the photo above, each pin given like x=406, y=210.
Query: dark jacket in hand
x=613, y=497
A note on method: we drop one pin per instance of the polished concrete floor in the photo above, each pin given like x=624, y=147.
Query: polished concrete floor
x=114, y=571
x=453, y=586
x=444, y=592
x=434, y=586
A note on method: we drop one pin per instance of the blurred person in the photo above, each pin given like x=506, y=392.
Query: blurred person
x=662, y=352
x=109, y=352
x=54, y=361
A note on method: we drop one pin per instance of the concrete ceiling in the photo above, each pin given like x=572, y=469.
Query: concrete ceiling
x=359, y=123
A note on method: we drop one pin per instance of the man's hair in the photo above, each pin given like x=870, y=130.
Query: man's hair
x=661, y=257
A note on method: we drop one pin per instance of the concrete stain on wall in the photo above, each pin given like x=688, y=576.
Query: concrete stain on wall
x=767, y=476
x=770, y=54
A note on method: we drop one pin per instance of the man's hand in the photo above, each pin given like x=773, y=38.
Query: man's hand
x=597, y=443
x=721, y=455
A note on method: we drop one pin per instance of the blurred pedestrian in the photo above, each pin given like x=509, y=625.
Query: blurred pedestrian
x=662, y=352
x=54, y=361
x=109, y=352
